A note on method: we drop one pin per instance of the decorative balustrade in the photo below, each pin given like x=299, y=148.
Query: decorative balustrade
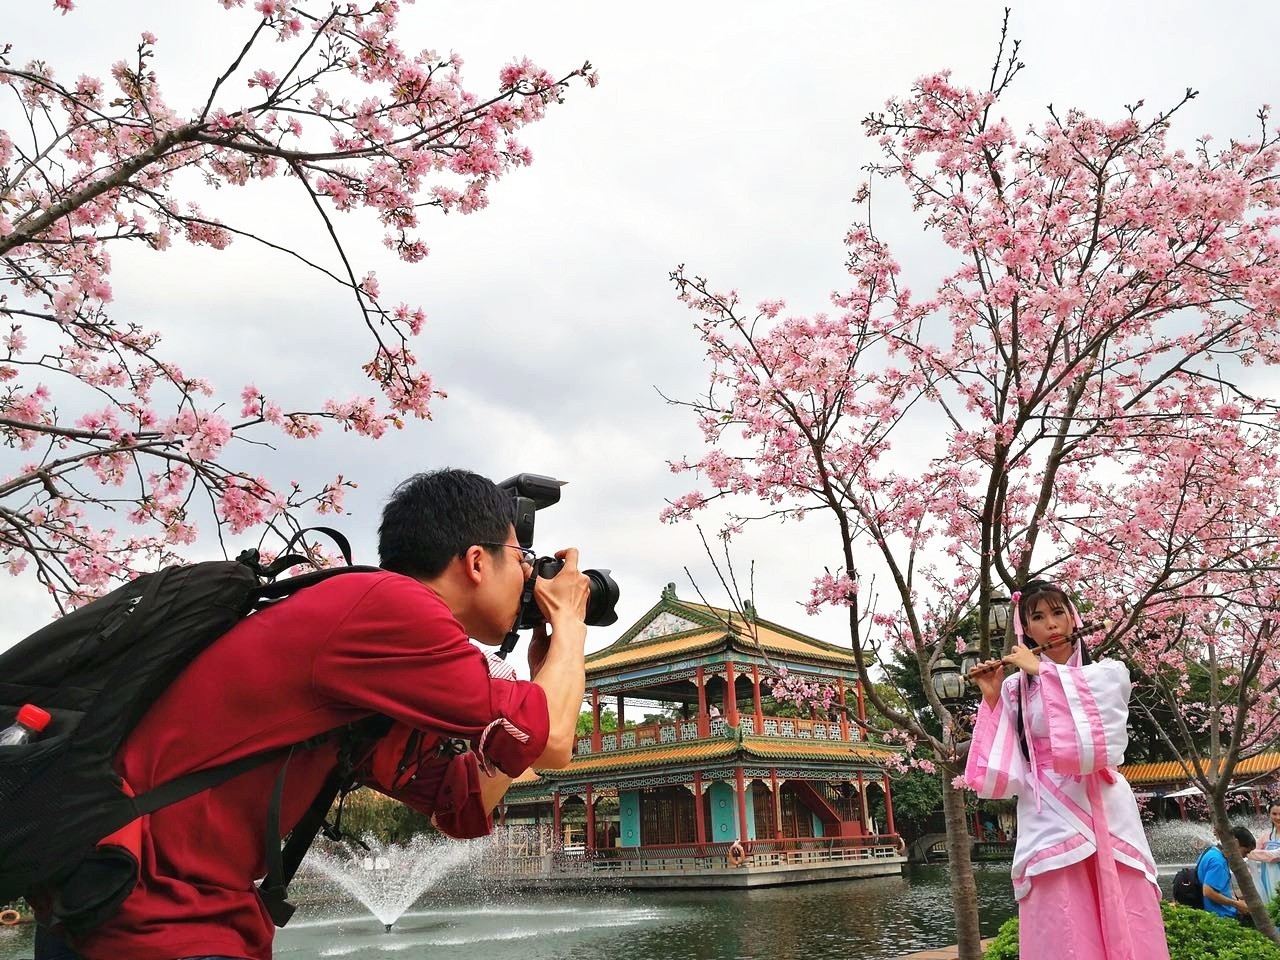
x=653, y=734
x=688, y=858
x=759, y=853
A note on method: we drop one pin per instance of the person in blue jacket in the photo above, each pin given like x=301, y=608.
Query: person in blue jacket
x=1215, y=878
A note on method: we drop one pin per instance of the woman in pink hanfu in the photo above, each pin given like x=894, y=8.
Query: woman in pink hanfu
x=1052, y=735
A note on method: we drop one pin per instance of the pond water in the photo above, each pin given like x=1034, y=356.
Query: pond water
x=875, y=919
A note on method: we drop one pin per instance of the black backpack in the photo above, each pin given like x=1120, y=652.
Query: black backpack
x=96, y=671
x=1187, y=888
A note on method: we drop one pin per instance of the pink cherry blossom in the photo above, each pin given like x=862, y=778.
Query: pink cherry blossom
x=1070, y=393
x=361, y=122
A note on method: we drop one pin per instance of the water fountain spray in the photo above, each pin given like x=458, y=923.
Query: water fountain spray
x=388, y=880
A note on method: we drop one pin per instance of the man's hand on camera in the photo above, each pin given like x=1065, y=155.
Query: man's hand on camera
x=560, y=672
x=563, y=598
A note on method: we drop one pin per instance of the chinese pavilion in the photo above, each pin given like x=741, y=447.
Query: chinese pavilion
x=728, y=790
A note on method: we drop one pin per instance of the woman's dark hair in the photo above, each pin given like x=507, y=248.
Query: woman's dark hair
x=433, y=517
x=1031, y=594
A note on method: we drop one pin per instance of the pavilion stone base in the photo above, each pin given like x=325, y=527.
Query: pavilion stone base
x=740, y=878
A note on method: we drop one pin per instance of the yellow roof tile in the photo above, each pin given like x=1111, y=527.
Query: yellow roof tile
x=771, y=640
x=774, y=640
x=769, y=748
x=638, y=652
x=1169, y=771
x=786, y=749
x=650, y=756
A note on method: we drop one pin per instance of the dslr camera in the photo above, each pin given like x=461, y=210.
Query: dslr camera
x=532, y=493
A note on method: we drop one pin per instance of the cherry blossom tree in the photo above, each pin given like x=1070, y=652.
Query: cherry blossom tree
x=116, y=450
x=1071, y=401
x=1209, y=617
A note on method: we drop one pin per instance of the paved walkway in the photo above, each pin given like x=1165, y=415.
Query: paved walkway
x=942, y=953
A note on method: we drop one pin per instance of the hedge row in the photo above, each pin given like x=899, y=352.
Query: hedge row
x=1193, y=935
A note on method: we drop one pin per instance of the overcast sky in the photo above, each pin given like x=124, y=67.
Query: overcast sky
x=724, y=136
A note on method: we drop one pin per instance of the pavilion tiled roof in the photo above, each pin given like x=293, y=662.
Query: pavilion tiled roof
x=775, y=639
x=778, y=748
x=1173, y=771
x=632, y=653
x=705, y=751
x=695, y=751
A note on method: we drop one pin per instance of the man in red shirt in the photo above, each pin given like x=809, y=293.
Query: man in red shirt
x=393, y=642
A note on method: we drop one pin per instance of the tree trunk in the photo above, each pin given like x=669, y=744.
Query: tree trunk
x=964, y=891
x=1240, y=870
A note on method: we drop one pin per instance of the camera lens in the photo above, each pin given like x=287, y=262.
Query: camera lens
x=602, y=596
x=602, y=600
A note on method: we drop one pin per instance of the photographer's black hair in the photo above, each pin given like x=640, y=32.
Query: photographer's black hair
x=433, y=517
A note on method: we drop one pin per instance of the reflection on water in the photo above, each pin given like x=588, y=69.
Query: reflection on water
x=874, y=919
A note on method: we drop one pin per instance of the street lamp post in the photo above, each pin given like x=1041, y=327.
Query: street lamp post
x=997, y=616
x=948, y=684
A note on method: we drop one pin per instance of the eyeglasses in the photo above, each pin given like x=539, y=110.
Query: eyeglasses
x=526, y=554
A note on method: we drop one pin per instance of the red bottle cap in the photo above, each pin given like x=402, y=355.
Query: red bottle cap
x=29, y=715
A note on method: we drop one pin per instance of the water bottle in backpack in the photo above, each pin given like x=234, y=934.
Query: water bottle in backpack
x=30, y=724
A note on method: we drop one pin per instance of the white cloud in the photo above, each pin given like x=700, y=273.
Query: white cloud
x=723, y=135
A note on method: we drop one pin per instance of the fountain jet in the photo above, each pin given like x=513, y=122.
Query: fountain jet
x=389, y=881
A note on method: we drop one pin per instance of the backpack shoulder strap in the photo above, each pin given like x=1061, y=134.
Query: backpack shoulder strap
x=271, y=592
x=190, y=784
x=283, y=862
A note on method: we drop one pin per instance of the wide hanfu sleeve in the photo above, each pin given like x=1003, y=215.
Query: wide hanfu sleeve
x=1088, y=712
x=996, y=768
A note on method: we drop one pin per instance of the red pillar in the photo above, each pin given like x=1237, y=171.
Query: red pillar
x=755, y=695
x=742, y=806
x=621, y=714
x=977, y=827
x=862, y=802
x=777, y=804
x=862, y=708
x=844, y=711
x=557, y=840
x=888, y=805
x=590, y=842
x=704, y=722
x=596, y=736
x=1182, y=808
x=699, y=824
x=730, y=696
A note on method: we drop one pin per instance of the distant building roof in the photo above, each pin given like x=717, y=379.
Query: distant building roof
x=1173, y=771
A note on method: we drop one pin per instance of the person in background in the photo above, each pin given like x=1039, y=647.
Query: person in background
x=1214, y=874
x=1265, y=859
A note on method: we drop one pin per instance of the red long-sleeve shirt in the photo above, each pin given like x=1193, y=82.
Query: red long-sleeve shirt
x=353, y=645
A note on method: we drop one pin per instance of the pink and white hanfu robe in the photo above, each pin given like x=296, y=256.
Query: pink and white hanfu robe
x=1082, y=870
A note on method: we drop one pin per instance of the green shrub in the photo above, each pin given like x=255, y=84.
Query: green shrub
x=1193, y=935
x=1005, y=944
